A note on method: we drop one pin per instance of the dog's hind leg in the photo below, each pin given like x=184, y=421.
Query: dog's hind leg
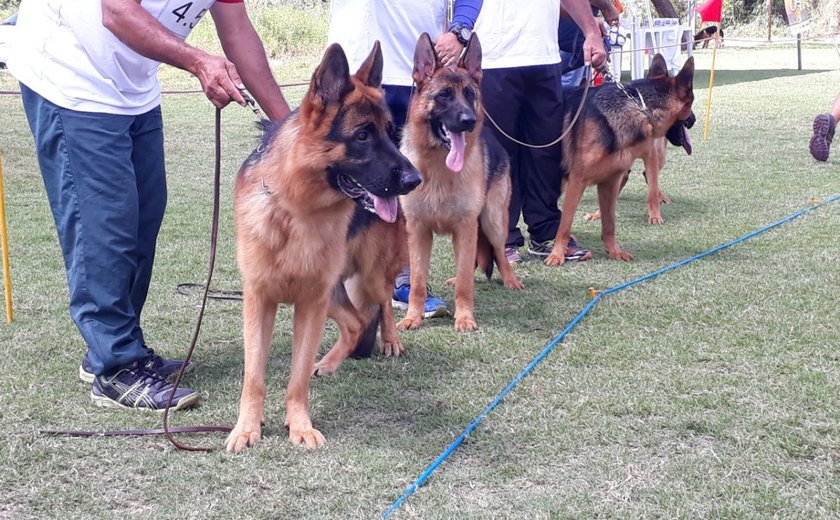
x=351, y=324
x=493, y=225
x=607, y=198
x=258, y=314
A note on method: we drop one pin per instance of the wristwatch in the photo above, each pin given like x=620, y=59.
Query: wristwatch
x=461, y=32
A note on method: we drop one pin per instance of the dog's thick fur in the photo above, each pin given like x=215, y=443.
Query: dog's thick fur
x=704, y=35
x=294, y=199
x=613, y=130
x=466, y=182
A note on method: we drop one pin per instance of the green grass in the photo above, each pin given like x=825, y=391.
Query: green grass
x=711, y=391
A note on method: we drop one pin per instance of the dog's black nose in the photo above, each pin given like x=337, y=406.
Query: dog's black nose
x=467, y=121
x=409, y=179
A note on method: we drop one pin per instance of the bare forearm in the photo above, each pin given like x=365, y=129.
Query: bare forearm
x=249, y=57
x=135, y=27
x=581, y=13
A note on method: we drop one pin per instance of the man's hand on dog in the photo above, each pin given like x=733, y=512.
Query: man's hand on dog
x=448, y=48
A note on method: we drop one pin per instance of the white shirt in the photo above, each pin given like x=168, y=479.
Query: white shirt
x=518, y=33
x=65, y=54
x=356, y=24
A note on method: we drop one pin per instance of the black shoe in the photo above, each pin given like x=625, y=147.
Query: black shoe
x=164, y=367
x=136, y=387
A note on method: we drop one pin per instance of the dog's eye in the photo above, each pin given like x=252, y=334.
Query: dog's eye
x=362, y=135
x=445, y=93
x=469, y=94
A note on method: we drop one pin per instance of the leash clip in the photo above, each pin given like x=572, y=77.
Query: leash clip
x=251, y=103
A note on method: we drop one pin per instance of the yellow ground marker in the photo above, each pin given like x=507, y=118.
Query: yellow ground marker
x=4, y=245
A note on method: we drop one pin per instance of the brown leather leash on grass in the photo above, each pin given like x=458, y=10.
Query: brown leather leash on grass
x=166, y=430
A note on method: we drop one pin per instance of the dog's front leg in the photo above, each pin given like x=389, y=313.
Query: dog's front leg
x=258, y=313
x=350, y=324
x=420, y=240
x=653, y=165
x=309, y=320
x=465, y=240
x=571, y=200
x=607, y=199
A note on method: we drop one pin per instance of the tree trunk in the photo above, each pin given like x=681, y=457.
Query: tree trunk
x=664, y=8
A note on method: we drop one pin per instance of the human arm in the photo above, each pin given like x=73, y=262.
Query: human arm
x=244, y=48
x=138, y=29
x=465, y=14
x=593, y=45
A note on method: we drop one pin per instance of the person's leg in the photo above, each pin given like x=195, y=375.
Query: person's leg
x=89, y=179
x=541, y=172
x=823, y=126
x=502, y=95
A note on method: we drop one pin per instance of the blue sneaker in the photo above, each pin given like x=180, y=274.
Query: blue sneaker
x=434, y=308
x=164, y=367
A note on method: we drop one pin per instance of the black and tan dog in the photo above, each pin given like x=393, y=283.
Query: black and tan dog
x=466, y=182
x=704, y=35
x=294, y=200
x=616, y=126
x=678, y=137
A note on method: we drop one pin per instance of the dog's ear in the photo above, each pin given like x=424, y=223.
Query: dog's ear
x=370, y=72
x=471, y=58
x=425, y=59
x=685, y=78
x=658, y=68
x=331, y=80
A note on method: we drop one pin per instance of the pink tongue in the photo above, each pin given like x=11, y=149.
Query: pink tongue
x=386, y=208
x=686, y=141
x=455, y=157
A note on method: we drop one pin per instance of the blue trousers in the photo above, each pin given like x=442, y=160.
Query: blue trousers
x=106, y=183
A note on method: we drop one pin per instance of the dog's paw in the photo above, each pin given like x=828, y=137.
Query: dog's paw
x=596, y=215
x=513, y=283
x=409, y=324
x=656, y=219
x=620, y=254
x=323, y=368
x=241, y=438
x=451, y=282
x=392, y=348
x=309, y=437
x=465, y=324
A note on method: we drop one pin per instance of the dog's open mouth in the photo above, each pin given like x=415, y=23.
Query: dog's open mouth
x=454, y=142
x=384, y=207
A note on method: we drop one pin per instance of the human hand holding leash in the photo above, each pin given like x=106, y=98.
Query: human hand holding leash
x=219, y=80
x=594, y=52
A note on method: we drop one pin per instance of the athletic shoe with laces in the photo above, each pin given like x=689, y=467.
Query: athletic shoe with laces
x=574, y=253
x=164, y=367
x=823, y=134
x=512, y=255
x=434, y=308
x=136, y=387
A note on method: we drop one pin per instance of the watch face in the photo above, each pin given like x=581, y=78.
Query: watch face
x=465, y=34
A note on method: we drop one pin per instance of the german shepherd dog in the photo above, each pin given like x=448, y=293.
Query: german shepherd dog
x=466, y=181
x=294, y=199
x=617, y=126
x=677, y=136
x=704, y=35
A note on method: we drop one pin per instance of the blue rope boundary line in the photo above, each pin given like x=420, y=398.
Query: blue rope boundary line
x=557, y=339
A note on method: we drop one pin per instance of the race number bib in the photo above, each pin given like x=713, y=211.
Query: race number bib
x=179, y=16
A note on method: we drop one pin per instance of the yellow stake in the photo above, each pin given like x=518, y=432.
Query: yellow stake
x=4, y=245
x=711, y=83
x=593, y=292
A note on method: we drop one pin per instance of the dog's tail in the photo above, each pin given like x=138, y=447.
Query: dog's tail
x=484, y=254
x=367, y=341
